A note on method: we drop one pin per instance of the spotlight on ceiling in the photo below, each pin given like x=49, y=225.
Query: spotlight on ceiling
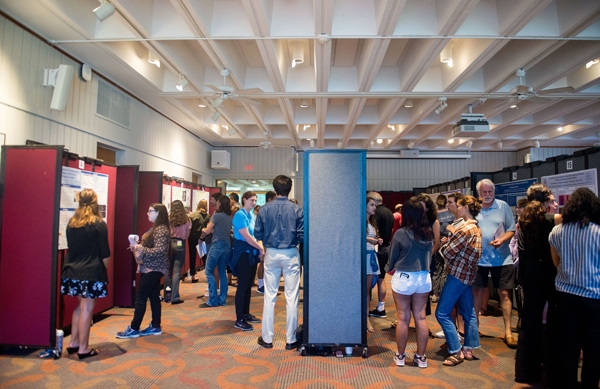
x=372, y=144
x=592, y=63
x=339, y=144
x=379, y=141
x=513, y=105
x=231, y=131
x=182, y=83
x=153, y=59
x=305, y=127
x=105, y=10
x=408, y=104
x=312, y=143
x=411, y=144
x=537, y=144
x=303, y=103
x=392, y=127
x=559, y=129
x=446, y=56
x=297, y=54
x=499, y=145
x=442, y=105
x=451, y=140
x=469, y=144
x=216, y=116
x=202, y=105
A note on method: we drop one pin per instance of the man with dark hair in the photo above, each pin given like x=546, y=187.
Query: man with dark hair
x=385, y=223
x=280, y=225
x=260, y=272
x=235, y=200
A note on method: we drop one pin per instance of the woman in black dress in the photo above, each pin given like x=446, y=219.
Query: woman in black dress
x=84, y=271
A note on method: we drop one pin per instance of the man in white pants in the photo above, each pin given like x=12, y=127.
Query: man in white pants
x=280, y=226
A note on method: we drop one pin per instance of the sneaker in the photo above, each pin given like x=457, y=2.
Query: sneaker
x=399, y=359
x=242, y=325
x=261, y=289
x=420, y=361
x=440, y=335
x=128, y=333
x=377, y=313
x=151, y=331
x=250, y=318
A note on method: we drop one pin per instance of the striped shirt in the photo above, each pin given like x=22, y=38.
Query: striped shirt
x=462, y=252
x=578, y=271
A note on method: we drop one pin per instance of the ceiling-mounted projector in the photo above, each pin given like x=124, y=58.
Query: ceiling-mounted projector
x=469, y=124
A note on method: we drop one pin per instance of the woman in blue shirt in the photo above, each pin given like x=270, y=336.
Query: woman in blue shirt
x=246, y=256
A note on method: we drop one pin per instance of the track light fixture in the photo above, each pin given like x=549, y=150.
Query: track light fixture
x=297, y=53
x=499, y=145
x=537, y=144
x=514, y=106
x=469, y=144
x=592, y=63
x=451, y=140
x=182, y=83
x=105, y=10
x=391, y=127
x=303, y=103
x=442, y=105
x=339, y=144
x=216, y=116
x=305, y=127
x=446, y=56
x=411, y=144
x=202, y=105
x=408, y=104
x=372, y=144
x=312, y=143
x=153, y=59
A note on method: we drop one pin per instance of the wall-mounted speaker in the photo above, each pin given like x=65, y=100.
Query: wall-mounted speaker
x=60, y=79
x=220, y=159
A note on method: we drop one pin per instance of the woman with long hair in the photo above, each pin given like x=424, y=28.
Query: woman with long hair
x=180, y=230
x=536, y=274
x=220, y=226
x=410, y=257
x=84, y=271
x=152, y=257
x=461, y=254
x=372, y=264
x=575, y=250
x=246, y=255
x=200, y=219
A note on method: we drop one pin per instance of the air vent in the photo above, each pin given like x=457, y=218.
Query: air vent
x=113, y=104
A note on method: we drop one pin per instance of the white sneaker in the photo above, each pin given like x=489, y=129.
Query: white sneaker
x=440, y=335
x=399, y=359
x=420, y=361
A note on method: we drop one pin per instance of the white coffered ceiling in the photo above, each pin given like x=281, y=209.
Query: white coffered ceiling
x=364, y=61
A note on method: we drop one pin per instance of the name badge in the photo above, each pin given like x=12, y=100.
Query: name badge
x=179, y=243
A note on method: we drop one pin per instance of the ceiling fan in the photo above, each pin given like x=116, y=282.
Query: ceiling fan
x=265, y=144
x=225, y=92
x=525, y=92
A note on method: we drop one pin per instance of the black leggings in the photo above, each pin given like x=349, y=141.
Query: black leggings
x=245, y=279
x=193, y=252
x=148, y=288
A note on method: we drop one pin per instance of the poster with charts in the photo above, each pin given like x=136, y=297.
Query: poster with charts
x=562, y=185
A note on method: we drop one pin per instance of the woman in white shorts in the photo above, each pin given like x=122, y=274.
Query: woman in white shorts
x=372, y=264
x=410, y=256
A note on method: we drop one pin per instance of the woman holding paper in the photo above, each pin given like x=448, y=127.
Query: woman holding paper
x=152, y=256
x=84, y=271
x=180, y=230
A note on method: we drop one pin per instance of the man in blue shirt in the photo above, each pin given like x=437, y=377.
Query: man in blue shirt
x=497, y=226
x=280, y=226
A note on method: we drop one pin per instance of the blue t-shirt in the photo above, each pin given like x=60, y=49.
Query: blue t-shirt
x=241, y=220
x=489, y=220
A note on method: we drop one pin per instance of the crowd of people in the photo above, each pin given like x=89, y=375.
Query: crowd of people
x=446, y=251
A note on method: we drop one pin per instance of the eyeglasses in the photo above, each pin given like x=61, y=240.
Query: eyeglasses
x=151, y=210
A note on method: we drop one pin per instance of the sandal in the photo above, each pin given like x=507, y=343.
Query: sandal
x=93, y=352
x=339, y=354
x=72, y=350
x=468, y=354
x=453, y=360
x=394, y=324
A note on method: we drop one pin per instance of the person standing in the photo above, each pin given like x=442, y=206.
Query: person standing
x=280, y=226
x=397, y=218
x=200, y=219
x=410, y=257
x=180, y=230
x=260, y=273
x=497, y=228
x=575, y=250
x=84, y=271
x=220, y=226
x=152, y=257
x=247, y=252
x=461, y=253
x=385, y=223
x=372, y=266
x=438, y=274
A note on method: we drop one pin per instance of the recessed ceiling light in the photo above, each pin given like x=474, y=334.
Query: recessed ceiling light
x=559, y=128
x=380, y=141
x=451, y=140
x=408, y=104
x=303, y=103
x=202, y=105
x=513, y=105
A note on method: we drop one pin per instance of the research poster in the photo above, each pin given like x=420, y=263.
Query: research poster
x=200, y=195
x=511, y=192
x=166, y=196
x=181, y=194
x=562, y=185
x=74, y=181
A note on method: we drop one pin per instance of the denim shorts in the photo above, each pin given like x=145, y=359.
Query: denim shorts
x=409, y=283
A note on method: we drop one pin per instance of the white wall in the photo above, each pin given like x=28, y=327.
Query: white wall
x=151, y=141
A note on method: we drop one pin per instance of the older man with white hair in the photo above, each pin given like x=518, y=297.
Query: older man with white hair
x=497, y=228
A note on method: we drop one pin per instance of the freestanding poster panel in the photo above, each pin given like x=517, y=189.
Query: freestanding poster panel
x=126, y=206
x=29, y=245
x=334, y=249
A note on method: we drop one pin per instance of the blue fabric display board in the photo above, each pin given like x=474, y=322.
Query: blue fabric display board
x=334, y=249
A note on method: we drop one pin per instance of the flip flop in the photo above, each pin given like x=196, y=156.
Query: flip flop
x=394, y=324
x=453, y=360
x=339, y=354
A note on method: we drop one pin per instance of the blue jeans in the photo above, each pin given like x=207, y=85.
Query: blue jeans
x=176, y=260
x=455, y=291
x=216, y=258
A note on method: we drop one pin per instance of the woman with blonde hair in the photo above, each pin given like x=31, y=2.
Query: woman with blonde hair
x=180, y=230
x=152, y=257
x=199, y=219
x=84, y=271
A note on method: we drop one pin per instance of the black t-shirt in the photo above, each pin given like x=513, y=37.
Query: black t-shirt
x=87, y=247
x=535, y=260
x=385, y=223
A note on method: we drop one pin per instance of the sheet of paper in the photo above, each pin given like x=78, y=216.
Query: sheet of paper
x=499, y=233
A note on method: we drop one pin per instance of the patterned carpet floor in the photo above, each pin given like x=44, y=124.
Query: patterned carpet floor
x=201, y=348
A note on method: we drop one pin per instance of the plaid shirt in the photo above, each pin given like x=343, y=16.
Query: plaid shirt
x=462, y=252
